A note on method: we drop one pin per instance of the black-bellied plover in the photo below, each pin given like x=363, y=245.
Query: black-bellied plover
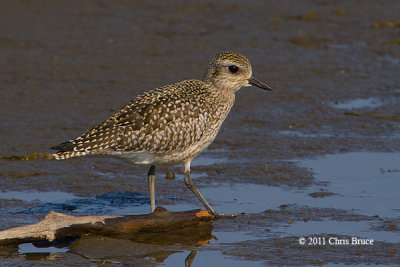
x=169, y=125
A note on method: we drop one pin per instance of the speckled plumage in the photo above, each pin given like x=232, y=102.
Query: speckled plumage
x=170, y=124
x=161, y=121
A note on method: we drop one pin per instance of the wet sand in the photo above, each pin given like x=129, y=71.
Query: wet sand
x=317, y=157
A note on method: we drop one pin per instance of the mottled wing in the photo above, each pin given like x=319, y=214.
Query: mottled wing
x=161, y=120
x=172, y=119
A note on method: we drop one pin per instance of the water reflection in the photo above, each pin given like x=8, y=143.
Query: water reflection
x=148, y=249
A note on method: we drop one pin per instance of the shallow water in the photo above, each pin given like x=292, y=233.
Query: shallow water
x=366, y=182
x=363, y=183
x=43, y=197
x=30, y=248
x=206, y=257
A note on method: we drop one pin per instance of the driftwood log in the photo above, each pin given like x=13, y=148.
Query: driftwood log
x=61, y=226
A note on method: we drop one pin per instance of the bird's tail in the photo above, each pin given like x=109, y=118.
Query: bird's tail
x=67, y=154
x=67, y=150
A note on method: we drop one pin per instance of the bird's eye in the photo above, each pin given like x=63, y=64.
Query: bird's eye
x=233, y=68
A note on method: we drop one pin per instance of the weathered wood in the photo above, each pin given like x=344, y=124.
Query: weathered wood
x=61, y=226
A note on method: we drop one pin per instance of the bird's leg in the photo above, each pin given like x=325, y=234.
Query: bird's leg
x=193, y=188
x=152, y=176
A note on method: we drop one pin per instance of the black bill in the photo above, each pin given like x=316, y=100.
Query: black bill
x=256, y=82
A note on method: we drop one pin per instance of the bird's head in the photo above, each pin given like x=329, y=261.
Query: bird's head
x=232, y=71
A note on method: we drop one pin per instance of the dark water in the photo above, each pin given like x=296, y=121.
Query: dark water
x=317, y=157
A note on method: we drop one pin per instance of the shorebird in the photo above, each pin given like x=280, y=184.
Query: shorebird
x=169, y=125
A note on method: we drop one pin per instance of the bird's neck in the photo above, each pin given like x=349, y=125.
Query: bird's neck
x=227, y=95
